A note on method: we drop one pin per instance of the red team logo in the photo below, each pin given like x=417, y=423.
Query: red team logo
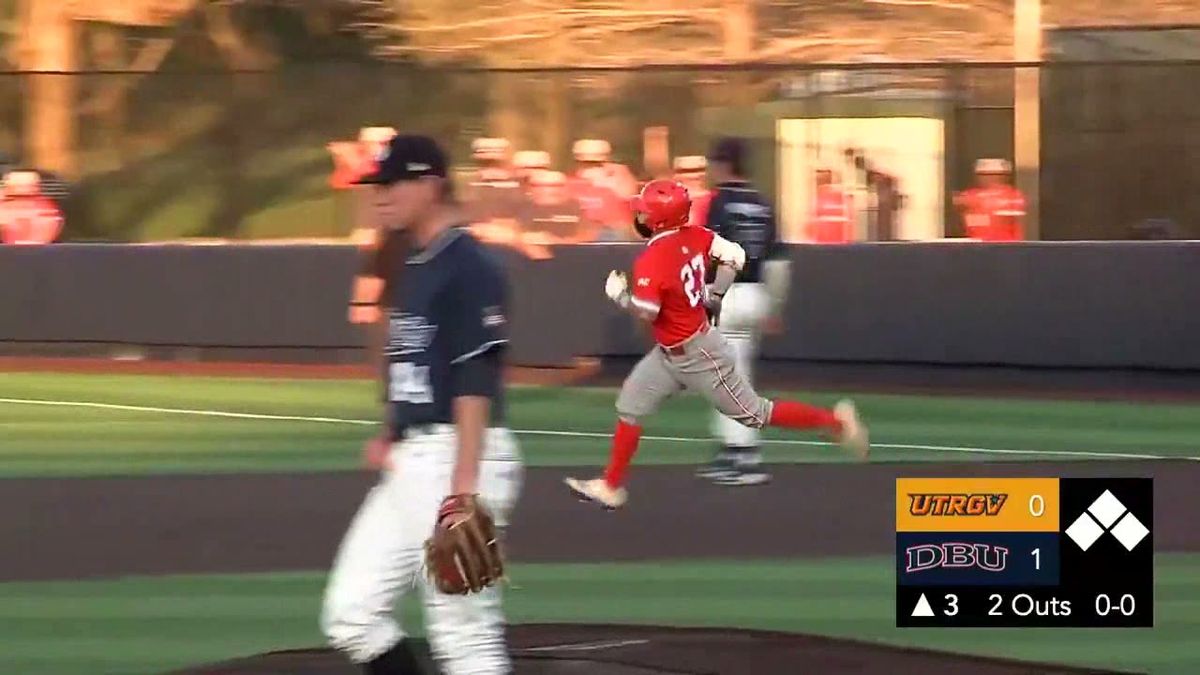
x=956, y=504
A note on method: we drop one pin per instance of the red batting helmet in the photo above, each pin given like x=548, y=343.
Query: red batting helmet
x=662, y=205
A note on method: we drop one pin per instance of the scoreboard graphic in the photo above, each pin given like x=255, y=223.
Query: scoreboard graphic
x=1015, y=552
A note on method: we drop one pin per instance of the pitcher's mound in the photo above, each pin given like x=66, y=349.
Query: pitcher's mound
x=553, y=649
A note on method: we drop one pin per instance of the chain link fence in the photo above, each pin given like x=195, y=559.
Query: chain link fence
x=173, y=155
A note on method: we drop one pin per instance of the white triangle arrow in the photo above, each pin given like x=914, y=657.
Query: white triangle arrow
x=923, y=608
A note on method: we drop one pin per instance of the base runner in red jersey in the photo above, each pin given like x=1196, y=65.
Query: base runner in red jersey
x=668, y=290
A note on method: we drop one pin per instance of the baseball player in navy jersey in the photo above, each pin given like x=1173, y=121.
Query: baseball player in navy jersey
x=444, y=434
x=740, y=214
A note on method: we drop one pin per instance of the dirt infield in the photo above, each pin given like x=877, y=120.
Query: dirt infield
x=257, y=523
x=247, y=523
x=560, y=649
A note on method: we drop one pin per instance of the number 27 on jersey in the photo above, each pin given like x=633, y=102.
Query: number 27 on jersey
x=692, y=275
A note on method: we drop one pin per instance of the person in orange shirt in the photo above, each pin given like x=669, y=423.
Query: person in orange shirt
x=831, y=223
x=594, y=164
x=353, y=160
x=27, y=216
x=690, y=170
x=528, y=162
x=993, y=210
x=500, y=223
x=554, y=216
x=493, y=192
x=603, y=187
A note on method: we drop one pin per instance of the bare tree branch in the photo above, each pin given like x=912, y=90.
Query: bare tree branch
x=939, y=4
x=147, y=61
x=576, y=14
x=790, y=46
x=232, y=45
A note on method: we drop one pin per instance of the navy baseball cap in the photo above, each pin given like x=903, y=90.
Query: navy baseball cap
x=407, y=157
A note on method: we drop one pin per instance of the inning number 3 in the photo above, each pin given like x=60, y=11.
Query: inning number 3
x=692, y=275
x=409, y=383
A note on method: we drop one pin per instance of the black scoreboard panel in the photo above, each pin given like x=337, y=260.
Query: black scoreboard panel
x=1071, y=552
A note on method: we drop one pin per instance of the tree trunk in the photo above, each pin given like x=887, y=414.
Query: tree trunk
x=111, y=53
x=505, y=109
x=556, y=134
x=51, y=47
x=737, y=27
x=738, y=30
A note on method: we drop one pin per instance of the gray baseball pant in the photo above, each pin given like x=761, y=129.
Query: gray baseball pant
x=704, y=364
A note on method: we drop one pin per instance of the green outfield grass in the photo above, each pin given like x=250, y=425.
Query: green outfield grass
x=146, y=625
x=70, y=440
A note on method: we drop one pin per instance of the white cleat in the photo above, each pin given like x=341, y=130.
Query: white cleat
x=597, y=491
x=854, y=437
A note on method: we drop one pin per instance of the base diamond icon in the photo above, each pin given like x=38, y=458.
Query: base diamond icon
x=1107, y=508
x=1084, y=531
x=1130, y=531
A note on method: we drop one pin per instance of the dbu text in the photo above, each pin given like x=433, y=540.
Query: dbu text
x=955, y=555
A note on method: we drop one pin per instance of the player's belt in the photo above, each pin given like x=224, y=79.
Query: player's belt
x=681, y=348
x=419, y=430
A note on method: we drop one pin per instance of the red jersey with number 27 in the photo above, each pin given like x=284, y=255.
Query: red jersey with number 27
x=669, y=277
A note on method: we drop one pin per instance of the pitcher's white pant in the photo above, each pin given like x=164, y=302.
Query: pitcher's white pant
x=742, y=312
x=382, y=557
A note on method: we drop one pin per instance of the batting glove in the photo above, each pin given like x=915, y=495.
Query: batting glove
x=712, y=305
x=617, y=288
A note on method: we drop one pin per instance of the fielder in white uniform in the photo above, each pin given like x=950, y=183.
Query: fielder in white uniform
x=445, y=434
x=753, y=304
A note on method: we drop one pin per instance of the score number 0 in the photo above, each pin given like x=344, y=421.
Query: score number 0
x=1037, y=507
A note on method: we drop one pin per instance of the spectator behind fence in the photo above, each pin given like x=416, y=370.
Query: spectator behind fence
x=526, y=162
x=497, y=201
x=351, y=161
x=993, y=210
x=553, y=216
x=690, y=170
x=354, y=159
x=27, y=216
x=494, y=194
x=831, y=221
x=603, y=188
x=883, y=219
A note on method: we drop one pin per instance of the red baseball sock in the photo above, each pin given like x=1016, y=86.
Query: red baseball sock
x=795, y=415
x=624, y=447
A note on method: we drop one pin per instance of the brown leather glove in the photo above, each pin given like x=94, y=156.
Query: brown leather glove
x=463, y=555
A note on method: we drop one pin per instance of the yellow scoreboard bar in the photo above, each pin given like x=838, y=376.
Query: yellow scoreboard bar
x=977, y=504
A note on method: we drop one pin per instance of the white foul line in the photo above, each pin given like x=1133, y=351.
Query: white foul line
x=585, y=646
x=183, y=411
x=582, y=434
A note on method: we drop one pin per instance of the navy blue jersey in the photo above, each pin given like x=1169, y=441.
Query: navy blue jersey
x=740, y=214
x=447, y=317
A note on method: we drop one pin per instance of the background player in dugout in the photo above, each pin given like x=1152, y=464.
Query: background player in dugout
x=739, y=213
x=669, y=291
x=444, y=434
x=993, y=210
